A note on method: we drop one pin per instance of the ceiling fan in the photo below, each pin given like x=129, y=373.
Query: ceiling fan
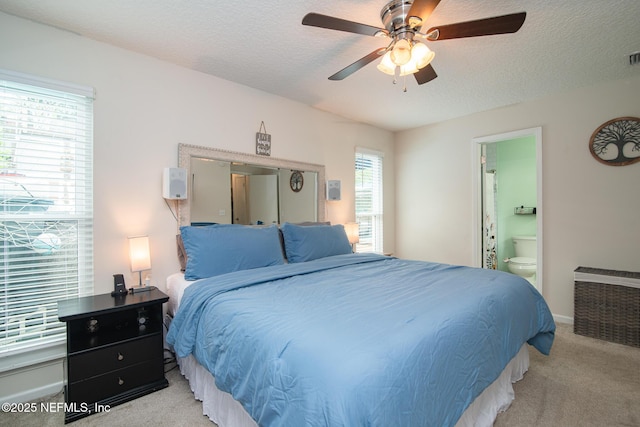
x=407, y=53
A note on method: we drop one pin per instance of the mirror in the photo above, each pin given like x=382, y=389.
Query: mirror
x=229, y=187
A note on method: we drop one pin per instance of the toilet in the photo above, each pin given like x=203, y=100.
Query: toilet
x=524, y=263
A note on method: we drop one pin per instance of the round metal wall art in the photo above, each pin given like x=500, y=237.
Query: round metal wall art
x=617, y=142
x=296, y=181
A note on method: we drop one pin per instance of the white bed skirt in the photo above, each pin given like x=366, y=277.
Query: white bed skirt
x=498, y=396
x=222, y=409
x=218, y=405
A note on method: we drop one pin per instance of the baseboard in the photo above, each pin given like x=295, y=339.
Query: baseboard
x=563, y=319
x=34, y=393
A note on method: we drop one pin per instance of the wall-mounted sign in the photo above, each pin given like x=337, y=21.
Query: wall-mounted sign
x=263, y=141
x=617, y=142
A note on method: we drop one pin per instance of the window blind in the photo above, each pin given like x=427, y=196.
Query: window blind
x=46, y=206
x=368, y=195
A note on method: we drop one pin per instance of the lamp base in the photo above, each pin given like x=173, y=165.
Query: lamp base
x=138, y=289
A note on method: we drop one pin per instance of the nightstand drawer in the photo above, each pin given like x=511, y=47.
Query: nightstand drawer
x=100, y=361
x=116, y=382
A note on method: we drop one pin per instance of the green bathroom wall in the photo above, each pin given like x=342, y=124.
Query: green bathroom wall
x=516, y=184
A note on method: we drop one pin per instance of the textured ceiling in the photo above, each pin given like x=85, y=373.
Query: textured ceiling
x=563, y=44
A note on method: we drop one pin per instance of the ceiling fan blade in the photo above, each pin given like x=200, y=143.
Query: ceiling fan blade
x=482, y=27
x=347, y=71
x=421, y=9
x=331, y=23
x=425, y=75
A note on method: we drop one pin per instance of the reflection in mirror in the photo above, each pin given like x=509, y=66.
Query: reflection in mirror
x=227, y=187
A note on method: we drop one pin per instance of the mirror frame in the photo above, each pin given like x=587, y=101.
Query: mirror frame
x=187, y=151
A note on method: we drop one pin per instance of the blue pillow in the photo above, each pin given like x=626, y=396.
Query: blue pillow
x=306, y=243
x=223, y=248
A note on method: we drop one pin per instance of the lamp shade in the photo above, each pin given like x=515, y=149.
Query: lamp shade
x=353, y=232
x=139, y=253
x=421, y=55
x=408, y=68
x=401, y=52
x=386, y=65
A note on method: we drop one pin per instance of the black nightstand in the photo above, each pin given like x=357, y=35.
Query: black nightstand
x=114, y=350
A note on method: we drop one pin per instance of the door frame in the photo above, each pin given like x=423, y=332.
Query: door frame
x=476, y=170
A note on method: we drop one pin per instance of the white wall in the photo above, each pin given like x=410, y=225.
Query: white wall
x=590, y=209
x=145, y=107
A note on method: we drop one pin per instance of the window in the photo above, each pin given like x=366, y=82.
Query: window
x=369, y=199
x=46, y=207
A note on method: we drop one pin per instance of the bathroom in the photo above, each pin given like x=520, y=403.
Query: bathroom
x=509, y=184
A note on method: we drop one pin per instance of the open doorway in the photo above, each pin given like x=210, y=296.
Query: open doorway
x=486, y=186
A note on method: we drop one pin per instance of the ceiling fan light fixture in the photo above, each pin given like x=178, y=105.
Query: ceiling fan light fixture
x=386, y=65
x=401, y=52
x=408, y=68
x=421, y=55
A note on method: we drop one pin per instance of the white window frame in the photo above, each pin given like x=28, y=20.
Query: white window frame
x=43, y=118
x=369, y=213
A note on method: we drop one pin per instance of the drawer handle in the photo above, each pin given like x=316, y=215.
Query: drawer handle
x=120, y=356
x=120, y=381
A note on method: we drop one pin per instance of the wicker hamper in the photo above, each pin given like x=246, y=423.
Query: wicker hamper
x=607, y=305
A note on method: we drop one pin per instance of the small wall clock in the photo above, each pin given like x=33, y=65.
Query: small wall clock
x=296, y=181
x=617, y=142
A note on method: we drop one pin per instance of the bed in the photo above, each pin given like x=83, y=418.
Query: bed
x=284, y=326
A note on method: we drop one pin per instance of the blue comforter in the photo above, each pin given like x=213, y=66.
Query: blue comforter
x=359, y=340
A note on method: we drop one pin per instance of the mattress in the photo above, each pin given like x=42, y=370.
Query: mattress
x=221, y=408
x=176, y=285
